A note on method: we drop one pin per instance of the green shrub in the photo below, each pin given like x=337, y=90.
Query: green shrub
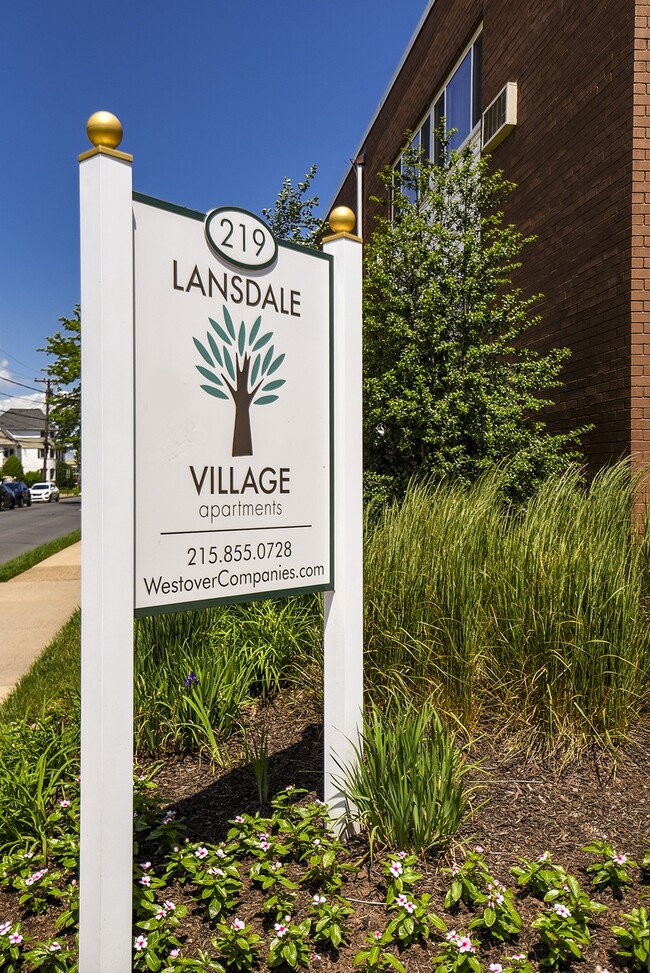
x=408, y=786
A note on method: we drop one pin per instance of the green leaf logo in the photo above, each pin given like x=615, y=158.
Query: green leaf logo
x=240, y=364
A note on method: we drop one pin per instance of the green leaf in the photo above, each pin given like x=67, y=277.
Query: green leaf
x=211, y=377
x=489, y=916
x=276, y=364
x=218, y=394
x=273, y=385
x=222, y=334
x=335, y=936
x=203, y=352
x=229, y=324
x=263, y=340
x=229, y=364
x=291, y=954
x=265, y=400
x=267, y=359
x=152, y=962
x=214, y=348
x=254, y=331
x=394, y=962
x=242, y=338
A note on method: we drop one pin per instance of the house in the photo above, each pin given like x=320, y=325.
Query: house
x=559, y=94
x=22, y=434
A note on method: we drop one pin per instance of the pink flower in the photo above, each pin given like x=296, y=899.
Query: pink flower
x=479, y=849
x=377, y=934
x=402, y=855
x=55, y=947
x=145, y=865
x=518, y=956
x=455, y=869
x=201, y=852
x=544, y=857
x=620, y=859
x=169, y=905
x=140, y=943
x=265, y=845
x=15, y=939
x=280, y=929
x=64, y=803
x=4, y=928
x=319, y=899
x=221, y=853
x=409, y=907
x=173, y=953
x=238, y=925
x=495, y=968
x=145, y=880
x=562, y=910
x=464, y=944
x=161, y=913
x=396, y=869
x=239, y=819
x=452, y=936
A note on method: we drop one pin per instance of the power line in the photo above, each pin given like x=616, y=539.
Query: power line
x=22, y=384
x=24, y=364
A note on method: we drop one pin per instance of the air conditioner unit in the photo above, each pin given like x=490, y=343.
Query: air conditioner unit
x=500, y=117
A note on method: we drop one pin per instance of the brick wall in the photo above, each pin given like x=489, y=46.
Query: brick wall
x=640, y=264
x=571, y=157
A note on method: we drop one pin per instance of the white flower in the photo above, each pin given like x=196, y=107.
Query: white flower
x=280, y=929
x=452, y=936
x=319, y=899
x=465, y=945
x=4, y=928
x=562, y=910
x=402, y=900
x=15, y=939
x=237, y=924
x=140, y=943
x=396, y=869
x=495, y=968
x=201, y=852
x=620, y=859
x=410, y=907
x=55, y=947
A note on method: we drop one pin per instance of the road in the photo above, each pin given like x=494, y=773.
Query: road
x=24, y=528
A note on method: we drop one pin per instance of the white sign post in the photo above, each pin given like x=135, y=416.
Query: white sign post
x=107, y=561
x=222, y=389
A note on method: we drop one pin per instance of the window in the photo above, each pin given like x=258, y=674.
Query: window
x=459, y=102
x=421, y=142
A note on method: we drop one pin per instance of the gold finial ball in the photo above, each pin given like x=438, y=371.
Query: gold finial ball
x=342, y=220
x=105, y=129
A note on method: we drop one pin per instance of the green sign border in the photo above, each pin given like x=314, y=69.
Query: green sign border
x=193, y=214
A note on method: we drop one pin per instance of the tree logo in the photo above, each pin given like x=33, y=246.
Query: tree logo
x=241, y=364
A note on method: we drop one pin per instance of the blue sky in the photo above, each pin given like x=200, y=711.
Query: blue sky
x=219, y=102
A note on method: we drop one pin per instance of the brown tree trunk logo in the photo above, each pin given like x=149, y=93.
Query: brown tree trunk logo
x=241, y=364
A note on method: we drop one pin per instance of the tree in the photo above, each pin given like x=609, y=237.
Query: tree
x=65, y=404
x=292, y=217
x=244, y=361
x=450, y=387
x=13, y=467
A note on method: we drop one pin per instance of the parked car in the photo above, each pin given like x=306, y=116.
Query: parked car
x=44, y=492
x=7, y=499
x=21, y=492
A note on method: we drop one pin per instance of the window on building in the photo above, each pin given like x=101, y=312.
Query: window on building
x=458, y=103
x=421, y=142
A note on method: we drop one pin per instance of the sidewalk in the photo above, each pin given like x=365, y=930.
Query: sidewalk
x=33, y=607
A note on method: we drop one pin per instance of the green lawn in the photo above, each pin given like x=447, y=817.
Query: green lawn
x=25, y=561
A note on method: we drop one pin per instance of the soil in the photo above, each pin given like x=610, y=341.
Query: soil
x=523, y=809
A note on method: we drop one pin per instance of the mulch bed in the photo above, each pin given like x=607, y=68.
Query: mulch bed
x=525, y=809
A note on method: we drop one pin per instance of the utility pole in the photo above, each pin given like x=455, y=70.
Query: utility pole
x=47, y=382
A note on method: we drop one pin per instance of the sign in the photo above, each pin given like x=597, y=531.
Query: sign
x=233, y=432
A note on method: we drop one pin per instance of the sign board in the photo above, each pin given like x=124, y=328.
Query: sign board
x=233, y=410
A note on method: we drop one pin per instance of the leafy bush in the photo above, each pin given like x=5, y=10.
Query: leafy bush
x=408, y=785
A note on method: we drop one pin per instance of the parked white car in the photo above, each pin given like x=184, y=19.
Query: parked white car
x=44, y=492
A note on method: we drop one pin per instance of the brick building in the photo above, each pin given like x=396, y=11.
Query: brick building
x=578, y=75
